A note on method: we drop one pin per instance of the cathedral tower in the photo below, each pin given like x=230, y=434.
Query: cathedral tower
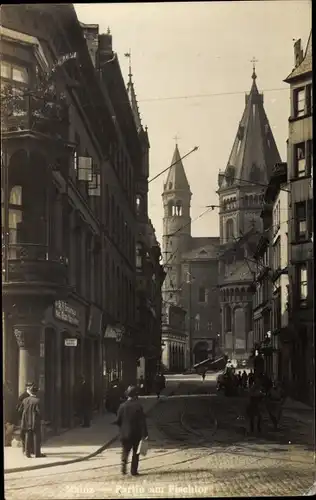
x=176, y=227
x=241, y=191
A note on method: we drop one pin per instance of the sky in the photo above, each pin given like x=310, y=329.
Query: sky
x=191, y=65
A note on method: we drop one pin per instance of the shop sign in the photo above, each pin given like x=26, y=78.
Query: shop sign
x=71, y=342
x=114, y=332
x=64, y=312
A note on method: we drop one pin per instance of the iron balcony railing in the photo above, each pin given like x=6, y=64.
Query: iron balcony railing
x=26, y=111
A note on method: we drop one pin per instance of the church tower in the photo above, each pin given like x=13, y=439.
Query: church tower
x=176, y=227
x=241, y=190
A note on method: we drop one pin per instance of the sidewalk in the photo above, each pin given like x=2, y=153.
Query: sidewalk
x=299, y=411
x=76, y=444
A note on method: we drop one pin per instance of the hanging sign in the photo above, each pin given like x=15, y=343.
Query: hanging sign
x=71, y=342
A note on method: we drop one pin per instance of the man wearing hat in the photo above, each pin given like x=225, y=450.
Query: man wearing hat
x=19, y=409
x=31, y=423
x=132, y=423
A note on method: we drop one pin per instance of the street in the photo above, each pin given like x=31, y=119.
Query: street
x=198, y=447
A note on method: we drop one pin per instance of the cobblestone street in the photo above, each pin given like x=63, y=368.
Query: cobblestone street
x=198, y=447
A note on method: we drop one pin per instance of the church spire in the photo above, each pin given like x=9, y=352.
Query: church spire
x=254, y=151
x=132, y=95
x=177, y=179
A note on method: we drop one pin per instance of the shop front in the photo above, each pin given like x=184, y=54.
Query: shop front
x=61, y=355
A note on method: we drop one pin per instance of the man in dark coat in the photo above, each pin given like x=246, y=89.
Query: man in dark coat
x=132, y=423
x=254, y=408
x=84, y=402
x=19, y=409
x=31, y=423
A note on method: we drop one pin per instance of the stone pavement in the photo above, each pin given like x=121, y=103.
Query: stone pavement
x=77, y=444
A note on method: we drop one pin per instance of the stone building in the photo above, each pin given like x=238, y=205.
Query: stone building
x=191, y=277
x=69, y=220
x=299, y=336
x=270, y=307
x=241, y=192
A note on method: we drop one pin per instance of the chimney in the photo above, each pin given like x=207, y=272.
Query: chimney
x=91, y=33
x=105, y=47
x=298, y=52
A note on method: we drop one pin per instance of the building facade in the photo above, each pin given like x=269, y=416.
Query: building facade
x=300, y=333
x=270, y=307
x=241, y=193
x=71, y=157
x=191, y=276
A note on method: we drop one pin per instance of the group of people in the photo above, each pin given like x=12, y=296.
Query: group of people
x=264, y=394
x=28, y=409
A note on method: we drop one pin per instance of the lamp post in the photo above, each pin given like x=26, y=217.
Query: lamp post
x=189, y=281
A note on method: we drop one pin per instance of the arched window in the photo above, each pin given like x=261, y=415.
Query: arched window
x=228, y=318
x=170, y=208
x=178, y=208
x=229, y=229
x=139, y=255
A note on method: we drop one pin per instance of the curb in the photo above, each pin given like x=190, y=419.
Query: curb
x=80, y=459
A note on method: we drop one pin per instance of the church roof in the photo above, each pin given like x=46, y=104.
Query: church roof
x=176, y=179
x=306, y=65
x=202, y=248
x=254, y=150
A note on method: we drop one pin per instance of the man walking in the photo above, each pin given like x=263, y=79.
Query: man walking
x=254, y=408
x=133, y=428
x=85, y=403
x=31, y=423
x=19, y=409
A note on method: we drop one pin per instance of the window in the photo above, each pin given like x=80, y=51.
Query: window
x=229, y=229
x=300, y=160
x=230, y=175
x=301, y=220
x=139, y=256
x=309, y=99
x=202, y=294
x=178, y=208
x=276, y=255
x=299, y=102
x=302, y=283
x=14, y=72
x=197, y=323
x=170, y=208
x=138, y=204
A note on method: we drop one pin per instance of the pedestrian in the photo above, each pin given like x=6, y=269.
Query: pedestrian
x=239, y=379
x=203, y=374
x=19, y=409
x=254, y=408
x=133, y=428
x=159, y=384
x=141, y=385
x=31, y=423
x=275, y=399
x=244, y=379
x=251, y=378
x=84, y=402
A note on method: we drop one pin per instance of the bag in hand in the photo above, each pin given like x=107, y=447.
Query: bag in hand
x=143, y=447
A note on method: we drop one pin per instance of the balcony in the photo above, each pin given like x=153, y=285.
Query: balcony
x=26, y=113
x=31, y=269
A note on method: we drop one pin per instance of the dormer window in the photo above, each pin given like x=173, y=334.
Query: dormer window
x=170, y=185
x=255, y=173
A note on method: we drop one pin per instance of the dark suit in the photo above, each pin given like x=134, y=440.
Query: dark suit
x=31, y=425
x=19, y=409
x=132, y=422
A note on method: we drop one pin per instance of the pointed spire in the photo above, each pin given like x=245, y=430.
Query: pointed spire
x=177, y=179
x=131, y=93
x=254, y=151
